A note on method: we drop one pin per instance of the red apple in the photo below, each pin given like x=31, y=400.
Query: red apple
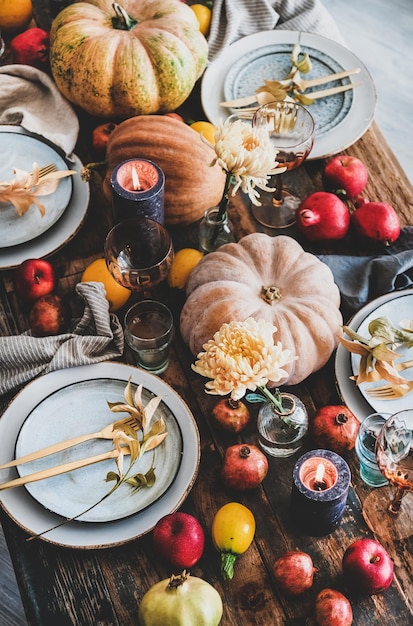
x=244, y=467
x=323, y=216
x=231, y=415
x=34, y=278
x=31, y=48
x=377, y=220
x=294, y=572
x=49, y=315
x=332, y=608
x=368, y=567
x=179, y=539
x=345, y=175
x=100, y=138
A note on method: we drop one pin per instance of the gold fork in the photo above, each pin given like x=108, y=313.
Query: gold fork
x=392, y=391
x=62, y=469
x=105, y=433
x=47, y=169
x=302, y=85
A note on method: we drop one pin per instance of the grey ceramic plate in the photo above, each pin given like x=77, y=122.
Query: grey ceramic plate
x=62, y=231
x=21, y=151
x=274, y=63
x=79, y=409
x=338, y=133
x=33, y=517
x=396, y=305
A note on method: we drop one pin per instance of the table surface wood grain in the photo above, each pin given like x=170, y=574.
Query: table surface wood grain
x=79, y=587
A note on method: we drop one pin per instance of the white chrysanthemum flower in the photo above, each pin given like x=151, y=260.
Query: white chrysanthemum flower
x=242, y=357
x=248, y=155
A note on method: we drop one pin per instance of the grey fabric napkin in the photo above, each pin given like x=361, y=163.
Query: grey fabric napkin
x=29, y=98
x=97, y=336
x=362, y=279
x=234, y=19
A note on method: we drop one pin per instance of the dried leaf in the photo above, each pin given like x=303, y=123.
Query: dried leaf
x=153, y=442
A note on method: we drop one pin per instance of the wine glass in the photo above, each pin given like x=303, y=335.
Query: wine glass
x=291, y=130
x=394, y=454
x=139, y=254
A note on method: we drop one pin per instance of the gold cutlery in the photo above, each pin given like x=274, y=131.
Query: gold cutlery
x=105, y=433
x=62, y=469
x=391, y=392
x=248, y=112
x=47, y=169
x=302, y=85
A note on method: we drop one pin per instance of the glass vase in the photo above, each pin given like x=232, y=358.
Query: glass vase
x=282, y=434
x=214, y=231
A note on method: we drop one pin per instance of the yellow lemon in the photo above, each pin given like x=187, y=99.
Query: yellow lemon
x=116, y=295
x=15, y=15
x=206, y=129
x=184, y=262
x=203, y=15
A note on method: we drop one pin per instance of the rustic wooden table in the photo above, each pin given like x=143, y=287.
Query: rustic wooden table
x=66, y=586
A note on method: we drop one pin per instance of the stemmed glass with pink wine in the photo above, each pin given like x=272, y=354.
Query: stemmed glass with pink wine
x=291, y=130
x=394, y=455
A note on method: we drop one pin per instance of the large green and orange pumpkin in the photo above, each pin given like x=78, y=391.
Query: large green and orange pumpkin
x=117, y=61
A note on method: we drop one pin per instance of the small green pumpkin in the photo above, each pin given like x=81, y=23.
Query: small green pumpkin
x=118, y=61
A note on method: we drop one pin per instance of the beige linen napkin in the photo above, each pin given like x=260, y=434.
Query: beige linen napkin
x=234, y=19
x=29, y=98
x=97, y=336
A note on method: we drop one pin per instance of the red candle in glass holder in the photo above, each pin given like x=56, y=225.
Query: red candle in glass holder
x=321, y=479
x=138, y=190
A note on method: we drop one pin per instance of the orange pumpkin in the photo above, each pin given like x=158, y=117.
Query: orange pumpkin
x=191, y=186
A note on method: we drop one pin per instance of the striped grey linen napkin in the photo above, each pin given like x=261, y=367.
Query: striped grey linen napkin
x=234, y=19
x=97, y=336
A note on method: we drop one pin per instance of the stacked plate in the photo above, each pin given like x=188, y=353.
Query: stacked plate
x=340, y=120
x=72, y=402
x=31, y=234
x=395, y=306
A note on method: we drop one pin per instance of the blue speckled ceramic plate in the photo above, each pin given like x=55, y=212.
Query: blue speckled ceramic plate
x=340, y=120
x=274, y=63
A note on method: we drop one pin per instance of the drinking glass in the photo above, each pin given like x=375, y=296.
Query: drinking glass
x=149, y=330
x=291, y=130
x=365, y=448
x=139, y=254
x=394, y=455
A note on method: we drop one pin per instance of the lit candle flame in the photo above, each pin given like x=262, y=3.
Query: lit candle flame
x=135, y=180
x=319, y=475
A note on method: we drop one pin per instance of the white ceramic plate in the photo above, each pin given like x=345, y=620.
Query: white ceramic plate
x=81, y=409
x=21, y=151
x=340, y=120
x=35, y=518
x=61, y=232
x=396, y=306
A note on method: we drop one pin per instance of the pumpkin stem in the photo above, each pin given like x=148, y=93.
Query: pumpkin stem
x=86, y=171
x=122, y=21
x=270, y=294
